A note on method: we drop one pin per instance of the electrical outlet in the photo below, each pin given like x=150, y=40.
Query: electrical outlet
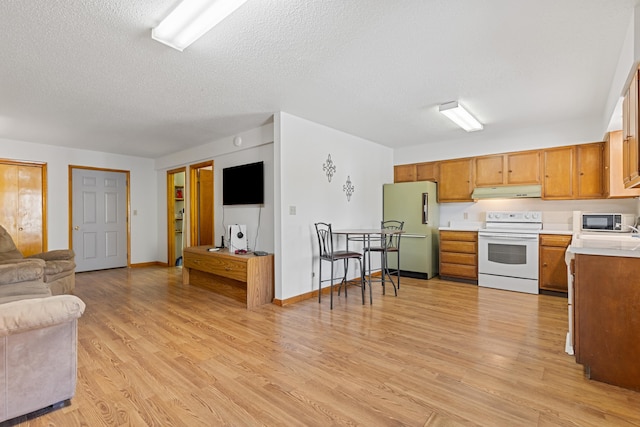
x=466, y=215
x=292, y=210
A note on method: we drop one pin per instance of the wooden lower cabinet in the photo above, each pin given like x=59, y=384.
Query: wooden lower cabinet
x=459, y=256
x=553, y=269
x=606, y=322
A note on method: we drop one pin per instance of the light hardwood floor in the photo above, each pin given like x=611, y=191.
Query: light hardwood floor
x=155, y=352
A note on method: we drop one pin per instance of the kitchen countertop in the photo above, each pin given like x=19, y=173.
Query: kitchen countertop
x=565, y=232
x=606, y=245
x=459, y=228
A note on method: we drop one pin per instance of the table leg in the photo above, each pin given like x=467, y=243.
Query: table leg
x=185, y=275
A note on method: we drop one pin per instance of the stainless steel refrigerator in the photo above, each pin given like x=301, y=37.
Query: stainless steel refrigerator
x=416, y=204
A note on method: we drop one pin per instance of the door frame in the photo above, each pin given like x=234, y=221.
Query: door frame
x=194, y=221
x=171, y=245
x=128, y=208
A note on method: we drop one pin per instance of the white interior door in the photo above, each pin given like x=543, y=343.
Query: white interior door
x=99, y=219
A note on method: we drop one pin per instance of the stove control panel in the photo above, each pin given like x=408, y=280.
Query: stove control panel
x=514, y=216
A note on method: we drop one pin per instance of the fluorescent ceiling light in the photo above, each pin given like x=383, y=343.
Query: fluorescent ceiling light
x=460, y=116
x=191, y=19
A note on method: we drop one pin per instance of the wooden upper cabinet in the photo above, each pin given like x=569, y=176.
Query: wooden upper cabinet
x=574, y=172
x=613, y=167
x=490, y=171
x=590, y=162
x=559, y=172
x=455, y=180
x=427, y=171
x=521, y=168
x=404, y=173
x=631, y=159
x=571, y=172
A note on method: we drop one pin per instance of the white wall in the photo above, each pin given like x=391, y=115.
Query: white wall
x=257, y=145
x=258, y=218
x=485, y=142
x=301, y=149
x=142, y=190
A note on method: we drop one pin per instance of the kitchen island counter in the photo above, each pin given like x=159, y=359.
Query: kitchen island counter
x=627, y=245
x=606, y=329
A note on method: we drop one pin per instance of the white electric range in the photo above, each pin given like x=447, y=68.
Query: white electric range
x=508, y=251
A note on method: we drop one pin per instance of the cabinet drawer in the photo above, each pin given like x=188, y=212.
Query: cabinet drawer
x=458, y=258
x=220, y=265
x=466, y=236
x=457, y=270
x=560, y=240
x=454, y=246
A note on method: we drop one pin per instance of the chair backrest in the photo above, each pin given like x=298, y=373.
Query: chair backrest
x=325, y=239
x=8, y=249
x=392, y=240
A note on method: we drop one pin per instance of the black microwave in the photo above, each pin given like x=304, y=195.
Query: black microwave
x=621, y=223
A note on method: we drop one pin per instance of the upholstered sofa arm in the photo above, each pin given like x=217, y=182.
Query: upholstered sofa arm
x=25, y=270
x=38, y=313
x=55, y=255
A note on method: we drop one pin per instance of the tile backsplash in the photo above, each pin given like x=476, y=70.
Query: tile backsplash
x=557, y=215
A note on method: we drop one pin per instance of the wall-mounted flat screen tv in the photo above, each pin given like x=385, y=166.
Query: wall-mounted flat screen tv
x=243, y=184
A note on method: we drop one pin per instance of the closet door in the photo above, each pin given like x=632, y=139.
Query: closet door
x=22, y=204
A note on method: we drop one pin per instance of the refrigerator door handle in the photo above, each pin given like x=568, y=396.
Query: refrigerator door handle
x=425, y=208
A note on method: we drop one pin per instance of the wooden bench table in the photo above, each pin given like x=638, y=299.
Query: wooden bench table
x=254, y=272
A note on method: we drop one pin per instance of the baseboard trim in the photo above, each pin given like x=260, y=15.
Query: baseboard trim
x=309, y=295
x=149, y=264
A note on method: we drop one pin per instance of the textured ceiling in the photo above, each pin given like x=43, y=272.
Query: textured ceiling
x=86, y=74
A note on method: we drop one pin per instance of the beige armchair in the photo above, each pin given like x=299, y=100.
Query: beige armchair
x=38, y=349
x=59, y=265
x=38, y=340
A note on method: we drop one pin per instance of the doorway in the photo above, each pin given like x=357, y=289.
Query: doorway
x=99, y=232
x=201, y=215
x=175, y=215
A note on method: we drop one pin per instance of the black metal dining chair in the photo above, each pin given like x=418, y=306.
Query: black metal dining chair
x=389, y=244
x=329, y=254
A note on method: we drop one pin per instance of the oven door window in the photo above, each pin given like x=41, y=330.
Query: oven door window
x=507, y=254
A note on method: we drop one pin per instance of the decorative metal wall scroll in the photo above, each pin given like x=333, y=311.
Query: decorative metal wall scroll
x=348, y=188
x=329, y=168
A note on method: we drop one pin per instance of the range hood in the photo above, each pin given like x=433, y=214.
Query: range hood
x=507, y=192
